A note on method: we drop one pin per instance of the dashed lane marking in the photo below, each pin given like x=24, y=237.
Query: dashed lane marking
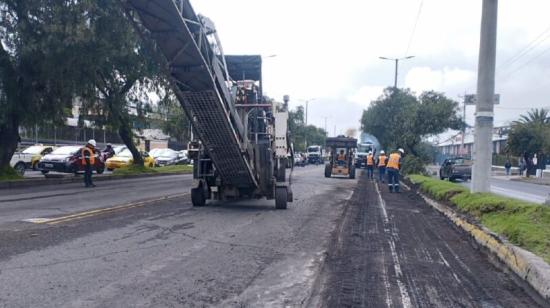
x=91, y=213
x=405, y=298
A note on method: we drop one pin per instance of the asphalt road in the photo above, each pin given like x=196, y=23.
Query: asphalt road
x=520, y=190
x=67, y=246
x=164, y=253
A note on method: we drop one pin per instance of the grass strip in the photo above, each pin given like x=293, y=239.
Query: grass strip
x=132, y=170
x=9, y=174
x=523, y=223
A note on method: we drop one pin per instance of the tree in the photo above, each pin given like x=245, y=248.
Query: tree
x=531, y=133
x=122, y=71
x=174, y=121
x=39, y=51
x=299, y=131
x=400, y=119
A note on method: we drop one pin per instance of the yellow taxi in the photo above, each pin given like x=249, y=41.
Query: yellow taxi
x=37, y=151
x=125, y=159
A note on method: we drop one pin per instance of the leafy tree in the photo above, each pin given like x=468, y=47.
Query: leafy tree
x=531, y=133
x=122, y=70
x=39, y=50
x=173, y=118
x=400, y=119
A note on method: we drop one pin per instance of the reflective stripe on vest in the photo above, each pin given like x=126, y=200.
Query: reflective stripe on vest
x=91, y=154
x=393, y=162
x=382, y=161
x=370, y=160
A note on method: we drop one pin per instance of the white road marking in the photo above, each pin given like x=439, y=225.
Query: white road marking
x=405, y=298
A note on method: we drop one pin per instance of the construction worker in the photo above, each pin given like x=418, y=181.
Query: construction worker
x=382, y=161
x=88, y=161
x=341, y=158
x=370, y=165
x=393, y=166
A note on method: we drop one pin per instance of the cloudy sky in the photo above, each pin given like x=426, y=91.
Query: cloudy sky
x=328, y=50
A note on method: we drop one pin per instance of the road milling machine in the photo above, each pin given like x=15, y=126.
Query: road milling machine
x=243, y=141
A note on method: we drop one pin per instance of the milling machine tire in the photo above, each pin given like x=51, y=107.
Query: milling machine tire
x=352, y=172
x=328, y=171
x=197, y=197
x=281, y=198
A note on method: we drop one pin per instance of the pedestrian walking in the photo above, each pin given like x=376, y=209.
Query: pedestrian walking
x=393, y=167
x=541, y=164
x=507, y=166
x=88, y=161
x=528, y=164
x=536, y=165
x=370, y=166
x=381, y=163
x=521, y=165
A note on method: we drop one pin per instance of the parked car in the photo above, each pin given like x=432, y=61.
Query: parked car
x=125, y=159
x=37, y=151
x=29, y=158
x=68, y=159
x=456, y=168
x=299, y=160
x=167, y=157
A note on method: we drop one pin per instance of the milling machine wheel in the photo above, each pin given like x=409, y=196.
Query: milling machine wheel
x=328, y=171
x=281, y=198
x=197, y=197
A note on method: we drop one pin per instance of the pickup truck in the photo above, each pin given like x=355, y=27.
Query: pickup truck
x=456, y=168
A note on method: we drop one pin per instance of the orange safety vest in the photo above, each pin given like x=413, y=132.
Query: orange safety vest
x=393, y=162
x=382, y=160
x=370, y=160
x=92, y=156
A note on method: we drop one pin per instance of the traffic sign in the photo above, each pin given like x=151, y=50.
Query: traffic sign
x=471, y=99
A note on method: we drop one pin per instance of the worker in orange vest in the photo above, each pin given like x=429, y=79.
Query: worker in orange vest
x=88, y=161
x=370, y=165
x=393, y=167
x=341, y=158
x=381, y=163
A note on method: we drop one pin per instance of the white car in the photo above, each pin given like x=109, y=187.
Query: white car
x=20, y=161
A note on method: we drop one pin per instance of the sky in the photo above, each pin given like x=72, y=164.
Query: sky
x=329, y=51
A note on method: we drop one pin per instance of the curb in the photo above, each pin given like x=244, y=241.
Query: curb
x=528, y=266
x=66, y=180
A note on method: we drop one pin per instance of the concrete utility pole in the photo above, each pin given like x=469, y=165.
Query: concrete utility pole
x=396, y=66
x=481, y=171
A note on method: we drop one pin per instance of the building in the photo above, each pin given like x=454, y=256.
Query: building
x=454, y=146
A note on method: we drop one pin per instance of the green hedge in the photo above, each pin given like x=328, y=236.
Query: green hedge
x=522, y=223
x=131, y=170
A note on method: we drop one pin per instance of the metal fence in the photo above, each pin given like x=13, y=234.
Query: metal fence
x=67, y=135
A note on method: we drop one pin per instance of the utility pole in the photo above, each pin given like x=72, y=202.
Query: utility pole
x=396, y=66
x=307, y=105
x=481, y=171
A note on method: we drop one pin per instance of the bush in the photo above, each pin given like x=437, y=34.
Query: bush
x=522, y=223
x=413, y=165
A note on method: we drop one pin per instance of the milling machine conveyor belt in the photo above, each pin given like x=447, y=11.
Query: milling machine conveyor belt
x=198, y=83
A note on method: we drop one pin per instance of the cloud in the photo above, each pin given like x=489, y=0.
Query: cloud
x=366, y=94
x=425, y=78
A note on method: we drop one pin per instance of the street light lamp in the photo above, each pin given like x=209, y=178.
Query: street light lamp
x=396, y=66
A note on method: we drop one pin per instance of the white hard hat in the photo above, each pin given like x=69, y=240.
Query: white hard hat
x=401, y=150
x=92, y=142
x=382, y=152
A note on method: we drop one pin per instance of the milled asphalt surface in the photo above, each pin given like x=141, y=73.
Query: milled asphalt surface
x=394, y=250
x=168, y=254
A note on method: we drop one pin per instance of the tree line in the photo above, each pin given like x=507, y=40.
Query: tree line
x=302, y=133
x=55, y=51
x=400, y=119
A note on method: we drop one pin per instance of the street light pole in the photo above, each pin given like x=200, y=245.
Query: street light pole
x=396, y=66
x=307, y=105
x=481, y=170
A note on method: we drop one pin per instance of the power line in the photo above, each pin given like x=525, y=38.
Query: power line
x=526, y=63
x=526, y=49
x=414, y=27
